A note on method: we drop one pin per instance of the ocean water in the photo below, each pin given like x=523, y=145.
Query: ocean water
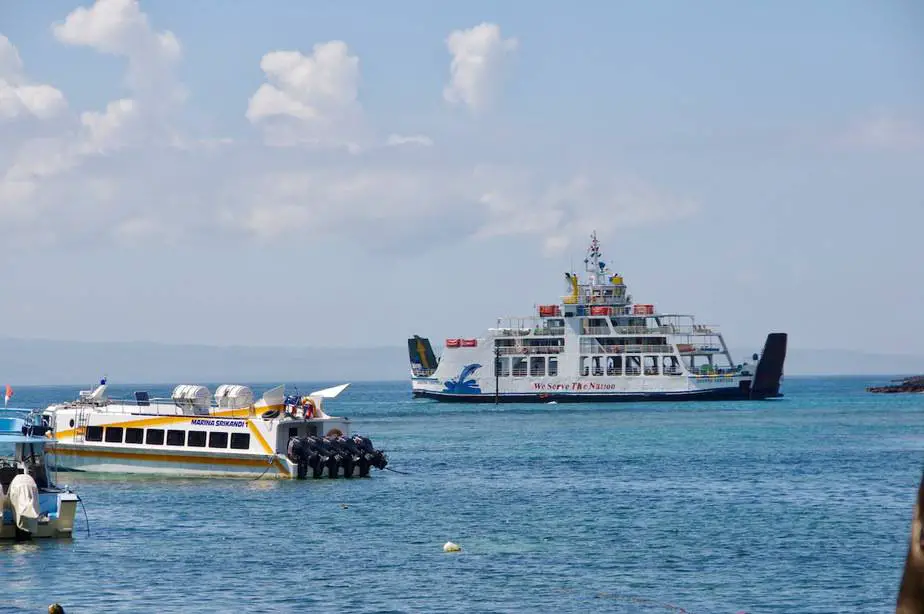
x=801, y=504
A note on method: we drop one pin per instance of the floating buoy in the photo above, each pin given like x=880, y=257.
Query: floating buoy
x=55, y=608
x=451, y=547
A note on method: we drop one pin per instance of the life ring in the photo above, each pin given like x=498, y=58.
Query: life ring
x=334, y=433
x=269, y=414
x=309, y=408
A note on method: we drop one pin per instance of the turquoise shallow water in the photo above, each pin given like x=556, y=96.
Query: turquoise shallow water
x=795, y=505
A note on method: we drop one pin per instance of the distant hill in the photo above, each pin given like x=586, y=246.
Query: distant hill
x=33, y=361
x=28, y=361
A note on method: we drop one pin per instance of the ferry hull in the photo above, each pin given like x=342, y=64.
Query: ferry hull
x=716, y=394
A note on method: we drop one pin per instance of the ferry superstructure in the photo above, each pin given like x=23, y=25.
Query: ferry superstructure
x=191, y=435
x=597, y=344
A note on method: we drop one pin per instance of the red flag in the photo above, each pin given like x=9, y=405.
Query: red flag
x=9, y=393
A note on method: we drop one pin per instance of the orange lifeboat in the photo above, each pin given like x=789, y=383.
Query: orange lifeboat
x=453, y=343
x=469, y=343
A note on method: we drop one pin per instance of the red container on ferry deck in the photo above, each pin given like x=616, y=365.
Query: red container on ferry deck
x=642, y=310
x=549, y=310
x=453, y=343
x=601, y=311
x=469, y=343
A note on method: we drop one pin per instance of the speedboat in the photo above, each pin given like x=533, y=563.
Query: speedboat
x=32, y=505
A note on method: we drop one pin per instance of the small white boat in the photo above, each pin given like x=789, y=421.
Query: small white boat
x=191, y=434
x=31, y=505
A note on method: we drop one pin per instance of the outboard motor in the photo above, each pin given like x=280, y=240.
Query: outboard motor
x=350, y=455
x=370, y=455
x=297, y=452
x=306, y=452
x=316, y=457
x=330, y=458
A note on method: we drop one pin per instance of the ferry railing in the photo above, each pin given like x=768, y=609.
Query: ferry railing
x=587, y=347
x=695, y=330
x=556, y=332
x=596, y=330
x=644, y=330
x=507, y=350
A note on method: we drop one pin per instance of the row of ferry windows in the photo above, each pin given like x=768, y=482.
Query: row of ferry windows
x=157, y=437
x=520, y=367
x=536, y=366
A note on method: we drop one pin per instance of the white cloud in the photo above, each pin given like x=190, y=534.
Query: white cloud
x=395, y=140
x=19, y=98
x=105, y=131
x=126, y=175
x=309, y=99
x=41, y=165
x=478, y=58
x=883, y=132
x=119, y=27
x=522, y=203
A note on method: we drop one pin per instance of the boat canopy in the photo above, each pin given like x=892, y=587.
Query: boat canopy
x=11, y=430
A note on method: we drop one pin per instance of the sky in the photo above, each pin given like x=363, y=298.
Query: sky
x=348, y=174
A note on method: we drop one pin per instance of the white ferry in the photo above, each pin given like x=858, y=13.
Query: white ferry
x=596, y=345
x=31, y=505
x=193, y=435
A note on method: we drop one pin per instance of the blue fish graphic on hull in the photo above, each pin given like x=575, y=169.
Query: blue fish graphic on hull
x=461, y=384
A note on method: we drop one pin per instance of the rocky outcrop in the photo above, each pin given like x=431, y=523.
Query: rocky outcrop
x=909, y=384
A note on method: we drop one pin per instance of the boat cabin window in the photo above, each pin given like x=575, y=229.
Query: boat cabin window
x=240, y=441
x=537, y=366
x=94, y=433
x=134, y=435
x=154, y=437
x=503, y=367
x=176, y=438
x=614, y=365
x=114, y=434
x=519, y=367
x=671, y=366
x=633, y=365
x=651, y=365
x=553, y=365
x=598, y=365
x=585, y=369
x=218, y=440
x=196, y=439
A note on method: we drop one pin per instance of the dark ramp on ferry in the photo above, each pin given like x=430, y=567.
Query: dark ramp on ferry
x=769, y=371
